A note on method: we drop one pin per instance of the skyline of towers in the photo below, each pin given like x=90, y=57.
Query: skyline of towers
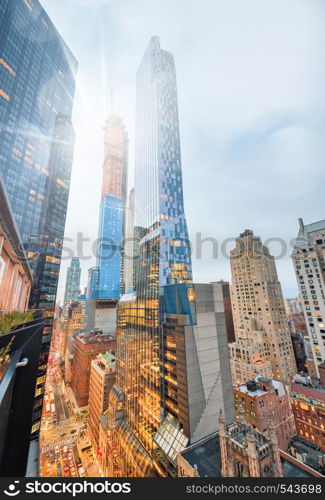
x=263, y=344
x=173, y=369
x=72, y=284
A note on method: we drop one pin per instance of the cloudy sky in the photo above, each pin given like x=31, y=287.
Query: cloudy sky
x=251, y=81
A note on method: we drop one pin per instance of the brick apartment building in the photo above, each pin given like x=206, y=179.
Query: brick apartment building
x=87, y=346
x=308, y=403
x=263, y=399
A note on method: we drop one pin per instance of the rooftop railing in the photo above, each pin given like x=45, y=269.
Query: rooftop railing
x=18, y=374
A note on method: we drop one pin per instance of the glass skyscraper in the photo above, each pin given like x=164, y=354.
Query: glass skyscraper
x=112, y=211
x=135, y=410
x=37, y=84
x=72, y=285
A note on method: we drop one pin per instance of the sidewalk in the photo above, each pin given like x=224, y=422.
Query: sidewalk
x=75, y=408
x=88, y=460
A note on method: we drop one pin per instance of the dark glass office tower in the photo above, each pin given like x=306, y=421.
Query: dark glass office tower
x=37, y=84
x=135, y=411
x=72, y=285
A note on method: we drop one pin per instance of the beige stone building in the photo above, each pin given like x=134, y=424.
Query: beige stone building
x=263, y=345
x=76, y=317
x=249, y=355
x=102, y=378
x=309, y=263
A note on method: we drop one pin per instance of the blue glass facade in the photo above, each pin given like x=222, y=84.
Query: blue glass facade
x=159, y=204
x=162, y=258
x=37, y=83
x=109, y=250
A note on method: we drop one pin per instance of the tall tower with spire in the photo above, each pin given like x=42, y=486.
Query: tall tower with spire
x=112, y=210
x=107, y=278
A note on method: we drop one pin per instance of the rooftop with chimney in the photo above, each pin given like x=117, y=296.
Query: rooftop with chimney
x=94, y=336
x=310, y=386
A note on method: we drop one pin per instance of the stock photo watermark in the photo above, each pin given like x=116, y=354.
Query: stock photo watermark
x=199, y=248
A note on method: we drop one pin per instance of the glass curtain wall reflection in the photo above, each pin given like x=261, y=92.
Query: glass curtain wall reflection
x=37, y=85
x=135, y=411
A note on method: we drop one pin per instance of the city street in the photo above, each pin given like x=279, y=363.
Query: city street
x=62, y=429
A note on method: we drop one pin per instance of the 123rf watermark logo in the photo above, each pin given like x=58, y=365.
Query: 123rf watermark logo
x=70, y=488
x=12, y=490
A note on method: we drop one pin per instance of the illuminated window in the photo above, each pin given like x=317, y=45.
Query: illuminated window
x=8, y=68
x=36, y=427
x=31, y=255
x=191, y=294
x=28, y=5
x=52, y=260
x=4, y=95
x=62, y=183
x=17, y=152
